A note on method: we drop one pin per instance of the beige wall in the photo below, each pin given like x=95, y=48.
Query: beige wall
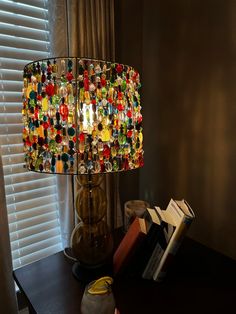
x=187, y=54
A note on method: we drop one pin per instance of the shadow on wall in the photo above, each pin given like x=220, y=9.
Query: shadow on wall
x=189, y=73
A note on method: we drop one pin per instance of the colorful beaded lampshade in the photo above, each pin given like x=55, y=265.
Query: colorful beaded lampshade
x=81, y=116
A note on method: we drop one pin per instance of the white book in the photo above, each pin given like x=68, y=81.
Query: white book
x=180, y=215
x=158, y=251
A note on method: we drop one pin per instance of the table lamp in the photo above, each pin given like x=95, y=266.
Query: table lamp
x=83, y=117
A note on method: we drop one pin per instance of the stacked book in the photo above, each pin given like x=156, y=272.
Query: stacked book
x=152, y=241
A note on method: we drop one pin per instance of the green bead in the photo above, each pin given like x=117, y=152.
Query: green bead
x=71, y=131
x=64, y=157
x=121, y=139
x=123, y=86
x=32, y=95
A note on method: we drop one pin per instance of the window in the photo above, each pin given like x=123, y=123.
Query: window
x=31, y=197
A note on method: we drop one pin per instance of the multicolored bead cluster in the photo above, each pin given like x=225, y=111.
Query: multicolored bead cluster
x=81, y=116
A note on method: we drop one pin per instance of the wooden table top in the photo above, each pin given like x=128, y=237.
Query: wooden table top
x=200, y=280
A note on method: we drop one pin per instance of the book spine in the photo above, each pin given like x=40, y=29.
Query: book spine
x=129, y=245
x=153, y=261
x=172, y=248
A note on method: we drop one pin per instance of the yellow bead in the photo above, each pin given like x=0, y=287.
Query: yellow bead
x=45, y=104
x=105, y=135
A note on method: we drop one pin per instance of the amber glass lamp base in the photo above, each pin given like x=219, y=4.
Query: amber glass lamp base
x=91, y=239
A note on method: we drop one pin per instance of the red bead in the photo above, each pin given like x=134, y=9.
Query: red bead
x=120, y=107
x=43, y=78
x=64, y=111
x=120, y=95
x=36, y=113
x=27, y=142
x=86, y=84
x=81, y=137
x=129, y=113
x=103, y=82
x=129, y=133
x=46, y=125
x=135, y=75
x=50, y=90
x=69, y=76
x=58, y=138
x=106, y=151
x=119, y=68
x=49, y=69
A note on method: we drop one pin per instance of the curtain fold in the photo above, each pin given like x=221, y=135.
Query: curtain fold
x=91, y=34
x=7, y=287
x=91, y=29
x=83, y=28
x=59, y=48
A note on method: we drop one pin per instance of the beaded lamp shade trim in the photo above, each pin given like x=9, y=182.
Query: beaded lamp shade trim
x=81, y=116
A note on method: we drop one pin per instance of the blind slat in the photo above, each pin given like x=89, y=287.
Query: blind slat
x=10, y=29
x=13, y=169
x=23, y=10
x=34, y=239
x=31, y=231
x=11, y=107
x=11, y=75
x=6, y=129
x=36, y=256
x=35, y=3
x=13, y=159
x=40, y=201
x=20, y=53
x=23, y=43
x=35, y=247
x=8, y=150
x=27, y=186
x=32, y=222
x=19, y=21
x=26, y=214
x=25, y=176
x=10, y=139
x=13, y=64
x=10, y=118
x=30, y=195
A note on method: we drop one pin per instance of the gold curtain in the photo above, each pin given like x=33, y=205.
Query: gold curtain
x=91, y=34
x=91, y=28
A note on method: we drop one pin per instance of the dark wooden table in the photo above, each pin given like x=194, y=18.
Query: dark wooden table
x=200, y=280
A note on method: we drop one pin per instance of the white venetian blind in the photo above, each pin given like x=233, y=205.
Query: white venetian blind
x=31, y=197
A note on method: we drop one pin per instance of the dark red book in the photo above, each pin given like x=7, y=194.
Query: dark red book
x=129, y=245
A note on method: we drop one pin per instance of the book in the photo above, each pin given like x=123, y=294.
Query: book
x=159, y=242
x=129, y=245
x=155, y=234
x=181, y=216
